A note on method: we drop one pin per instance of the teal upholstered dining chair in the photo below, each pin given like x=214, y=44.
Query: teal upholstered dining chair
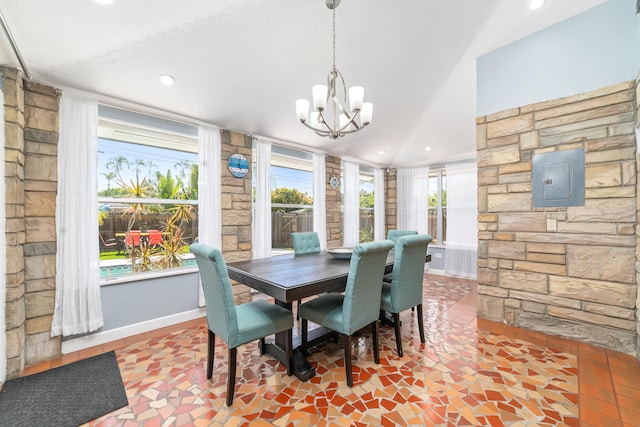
x=360, y=304
x=405, y=289
x=305, y=243
x=235, y=325
x=394, y=235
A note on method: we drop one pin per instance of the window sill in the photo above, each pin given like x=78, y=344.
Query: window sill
x=149, y=275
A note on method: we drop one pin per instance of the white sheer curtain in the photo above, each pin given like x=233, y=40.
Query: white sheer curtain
x=262, y=208
x=461, y=255
x=351, y=219
x=209, y=213
x=77, y=306
x=319, y=198
x=413, y=199
x=378, y=205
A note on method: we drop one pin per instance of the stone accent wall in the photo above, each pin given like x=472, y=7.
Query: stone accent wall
x=575, y=277
x=236, y=199
x=638, y=217
x=334, y=215
x=13, y=89
x=31, y=128
x=391, y=200
x=40, y=188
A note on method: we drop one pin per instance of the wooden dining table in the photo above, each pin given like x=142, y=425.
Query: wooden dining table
x=288, y=278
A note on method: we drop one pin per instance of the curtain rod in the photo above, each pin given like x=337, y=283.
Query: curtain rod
x=12, y=42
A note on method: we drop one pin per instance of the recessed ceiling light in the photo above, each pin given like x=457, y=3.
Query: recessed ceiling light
x=381, y=152
x=103, y=1
x=427, y=148
x=536, y=4
x=166, y=79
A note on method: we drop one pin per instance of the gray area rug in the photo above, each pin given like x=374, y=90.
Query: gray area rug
x=69, y=395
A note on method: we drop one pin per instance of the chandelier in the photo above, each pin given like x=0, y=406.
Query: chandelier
x=331, y=117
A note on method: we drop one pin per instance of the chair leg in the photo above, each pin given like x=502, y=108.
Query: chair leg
x=263, y=346
x=231, y=380
x=374, y=332
x=396, y=328
x=210, y=353
x=347, y=359
x=304, y=336
x=420, y=323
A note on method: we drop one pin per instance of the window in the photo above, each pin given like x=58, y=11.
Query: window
x=291, y=195
x=438, y=206
x=147, y=193
x=366, y=204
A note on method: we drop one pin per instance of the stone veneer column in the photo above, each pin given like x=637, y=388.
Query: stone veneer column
x=334, y=215
x=576, y=279
x=391, y=199
x=41, y=180
x=638, y=219
x=12, y=86
x=31, y=128
x=237, y=203
x=236, y=199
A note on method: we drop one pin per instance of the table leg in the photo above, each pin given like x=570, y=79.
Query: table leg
x=279, y=349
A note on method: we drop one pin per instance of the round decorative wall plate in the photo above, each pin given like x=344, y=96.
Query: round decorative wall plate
x=334, y=182
x=238, y=165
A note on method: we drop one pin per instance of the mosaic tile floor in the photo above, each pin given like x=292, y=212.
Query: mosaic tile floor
x=469, y=372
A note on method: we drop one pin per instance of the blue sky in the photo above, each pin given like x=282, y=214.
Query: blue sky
x=162, y=159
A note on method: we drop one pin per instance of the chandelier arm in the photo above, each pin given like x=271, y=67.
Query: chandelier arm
x=320, y=132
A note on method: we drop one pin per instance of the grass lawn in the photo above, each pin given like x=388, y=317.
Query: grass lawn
x=112, y=255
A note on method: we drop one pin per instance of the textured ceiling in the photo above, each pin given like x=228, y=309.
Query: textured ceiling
x=241, y=64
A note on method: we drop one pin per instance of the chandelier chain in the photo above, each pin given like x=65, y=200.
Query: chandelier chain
x=334, y=36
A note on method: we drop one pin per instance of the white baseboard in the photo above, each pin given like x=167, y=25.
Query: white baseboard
x=69, y=346
x=436, y=272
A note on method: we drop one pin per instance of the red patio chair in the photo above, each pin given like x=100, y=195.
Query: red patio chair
x=155, y=237
x=132, y=238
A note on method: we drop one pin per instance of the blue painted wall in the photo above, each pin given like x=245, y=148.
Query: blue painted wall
x=597, y=48
x=129, y=303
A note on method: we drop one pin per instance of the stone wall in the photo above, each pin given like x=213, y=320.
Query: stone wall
x=391, y=200
x=566, y=271
x=40, y=189
x=13, y=89
x=638, y=218
x=31, y=128
x=334, y=214
x=236, y=199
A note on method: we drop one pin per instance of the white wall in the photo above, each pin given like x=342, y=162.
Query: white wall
x=597, y=48
x=3, y=256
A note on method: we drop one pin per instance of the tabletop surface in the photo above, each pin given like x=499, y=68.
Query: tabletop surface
x=290, y=277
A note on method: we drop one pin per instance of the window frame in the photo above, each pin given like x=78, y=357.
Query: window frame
x=124, y=126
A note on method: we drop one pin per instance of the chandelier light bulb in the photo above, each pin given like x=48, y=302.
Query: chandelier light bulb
x=536, y=4
x=356, y=96
x=302, y=109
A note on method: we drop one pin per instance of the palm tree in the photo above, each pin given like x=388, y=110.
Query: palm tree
x=110, y=176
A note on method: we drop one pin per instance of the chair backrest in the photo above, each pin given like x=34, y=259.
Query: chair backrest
x=305, y=243
x=394, y=235
x=364, y=284
x=132, y=238
x=222, y=318
x=105, y=244
x=155, y=237
x=408, y=271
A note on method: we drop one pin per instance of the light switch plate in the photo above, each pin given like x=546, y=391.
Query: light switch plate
x=552, y=224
